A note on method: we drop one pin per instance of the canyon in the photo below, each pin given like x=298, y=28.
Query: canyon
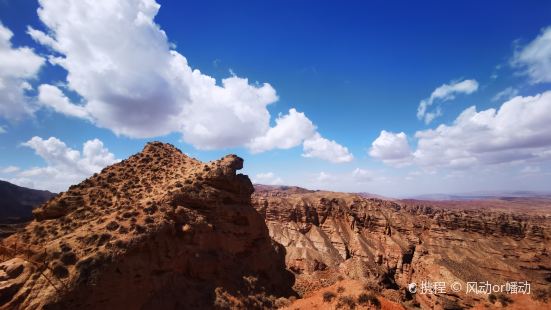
x=389, y=244
x=162, y=230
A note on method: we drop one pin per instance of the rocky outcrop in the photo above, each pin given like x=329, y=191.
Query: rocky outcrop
x=159, y=230
x=393, y=243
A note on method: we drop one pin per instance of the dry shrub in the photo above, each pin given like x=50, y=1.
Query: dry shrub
x=328, y=296
x=369, y=299
x=346, y=302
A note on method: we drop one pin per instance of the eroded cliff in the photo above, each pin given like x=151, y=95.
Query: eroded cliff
x=391, y=244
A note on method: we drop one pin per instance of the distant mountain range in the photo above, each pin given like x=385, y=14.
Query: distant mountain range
x=484, y=195
x=17, y=203
x=476, y=195
x=300, y=190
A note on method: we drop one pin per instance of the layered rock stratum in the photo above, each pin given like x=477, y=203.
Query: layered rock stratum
x=159, y=230
x=389, y=244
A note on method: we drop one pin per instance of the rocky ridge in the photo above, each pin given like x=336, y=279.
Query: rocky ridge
x=159, y=230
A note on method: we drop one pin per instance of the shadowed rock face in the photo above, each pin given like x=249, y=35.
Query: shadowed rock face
x=159, y=230
x=392, y=243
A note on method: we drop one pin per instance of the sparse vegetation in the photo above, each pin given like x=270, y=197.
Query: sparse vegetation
x=346, y=302
x=123, y=230
x=340, y=289
x=504, y=299
x=59, y=270
x=103, y=239
x=328, y=296
x=542, y=294
x=369, y=299
x=221, y=300
x=452, y=305
x=371, y=286
x=69, y=258
x=282, y=302
x=112, y=225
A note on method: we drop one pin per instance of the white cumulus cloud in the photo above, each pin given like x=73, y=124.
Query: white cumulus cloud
x=64, y=166
x=443, y=93
x=17, y=67
x=534, y=59
x=362, y=175
x=320, y=147
x=268, y=178
x=519, y=131
x=290, y=130
x=54, y=98
x=134, y=83
x=324, y=177
x=392, y=148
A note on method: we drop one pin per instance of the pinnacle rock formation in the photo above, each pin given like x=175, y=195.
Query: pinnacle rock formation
x=159, y=230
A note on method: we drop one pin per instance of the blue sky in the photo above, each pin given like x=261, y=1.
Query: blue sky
x=350, y=70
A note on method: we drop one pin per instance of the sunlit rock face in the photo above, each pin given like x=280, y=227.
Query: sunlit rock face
x=394, y=243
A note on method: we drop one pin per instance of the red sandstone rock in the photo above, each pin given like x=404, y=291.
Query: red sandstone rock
x=392, y=243
x=159, y=230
